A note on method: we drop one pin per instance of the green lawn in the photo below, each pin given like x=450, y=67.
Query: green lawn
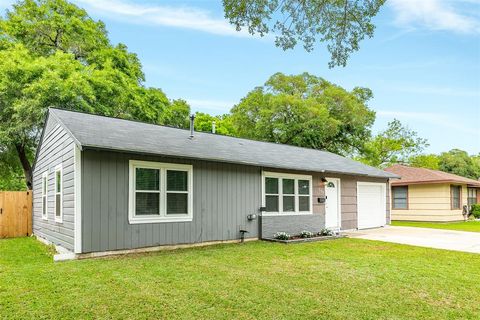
x=473, y=226
x=339, y=279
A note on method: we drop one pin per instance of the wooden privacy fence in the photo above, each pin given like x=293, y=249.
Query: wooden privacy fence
x=15, y=214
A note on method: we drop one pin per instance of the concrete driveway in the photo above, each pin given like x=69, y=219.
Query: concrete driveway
x=423, y=237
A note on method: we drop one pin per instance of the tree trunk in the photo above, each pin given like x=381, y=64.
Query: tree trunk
x=27, y=167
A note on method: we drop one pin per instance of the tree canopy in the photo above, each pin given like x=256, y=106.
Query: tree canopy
x=307, y=111
x=223, y=123
x=396, y=144
x=428, y=161
x=461, y=163
x=52, y=54
x=339, y=24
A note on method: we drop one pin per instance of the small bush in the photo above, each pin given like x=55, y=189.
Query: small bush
x=281, y=236
x=306, y=234
x=325, y=232
x=476, y=210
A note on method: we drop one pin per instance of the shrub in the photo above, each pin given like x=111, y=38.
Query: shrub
x=306, y=234
x=281, y=236
x=325, y=232
x=476, y=210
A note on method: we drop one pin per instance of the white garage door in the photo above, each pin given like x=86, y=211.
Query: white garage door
x=371, y=205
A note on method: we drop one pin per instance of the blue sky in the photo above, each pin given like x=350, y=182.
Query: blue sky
x=423, y=63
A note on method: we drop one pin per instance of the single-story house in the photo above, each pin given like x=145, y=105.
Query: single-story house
x=103, y=184
x=430, y=195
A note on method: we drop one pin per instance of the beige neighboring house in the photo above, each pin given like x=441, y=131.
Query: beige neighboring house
x=430, y=195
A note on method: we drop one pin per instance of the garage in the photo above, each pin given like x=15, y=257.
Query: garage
x=371, y=205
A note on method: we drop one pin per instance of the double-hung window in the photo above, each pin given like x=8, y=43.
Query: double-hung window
x=400, y=197
x=45, y=195
x=472, y=196
x=159, y=192
x=456, y=197
x=58, y=194
x=287, y=193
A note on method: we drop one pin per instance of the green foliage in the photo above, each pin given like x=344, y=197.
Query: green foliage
x=223, y=123
x=256, y=280
x=325, y=232
x=396, y=144
x=459, y=162
x=429, y=161
x=52, y=54
x=472, y=226
x=45, y=26
x=307, y=111
x=306, y=234
x=340, y=24
x=475, y=211
x=281, y=236
x=11, y=175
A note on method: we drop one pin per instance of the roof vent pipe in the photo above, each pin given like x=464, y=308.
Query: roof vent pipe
x=213, y=127
x=192, y=125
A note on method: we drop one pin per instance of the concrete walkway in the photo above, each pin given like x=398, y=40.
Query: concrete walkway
x=423, y=237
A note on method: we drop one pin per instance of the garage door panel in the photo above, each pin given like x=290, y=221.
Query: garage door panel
x=371, y=205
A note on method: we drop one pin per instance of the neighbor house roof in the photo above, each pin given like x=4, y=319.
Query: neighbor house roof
x=412, y=175
x=99, y=132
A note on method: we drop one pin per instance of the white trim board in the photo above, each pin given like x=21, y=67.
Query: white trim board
x=78, y=199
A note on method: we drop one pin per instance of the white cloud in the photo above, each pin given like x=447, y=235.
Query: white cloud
x=436, y=15
x=437, y=119
x=162, y=15
x=216, y=106
x=433, y=90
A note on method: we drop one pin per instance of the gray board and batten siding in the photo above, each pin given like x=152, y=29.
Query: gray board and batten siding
x=223, y=195
x=57, y=148
x=227, y=183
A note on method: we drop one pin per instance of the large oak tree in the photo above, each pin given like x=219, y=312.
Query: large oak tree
x=52, y=54
x=307, y=111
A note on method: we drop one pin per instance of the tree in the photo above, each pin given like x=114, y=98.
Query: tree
x=396, y=144
x=11, y=175
x=458, y=162
x=341, y=24
x=223, y=123
x=429, y=161
x=52, y=54
x=307, y=111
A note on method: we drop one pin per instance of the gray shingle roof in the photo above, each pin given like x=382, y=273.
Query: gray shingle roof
x=92, y=131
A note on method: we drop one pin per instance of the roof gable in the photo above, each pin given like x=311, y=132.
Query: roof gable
x=92, y=131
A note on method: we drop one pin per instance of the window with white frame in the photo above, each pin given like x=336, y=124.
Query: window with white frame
x=44, y=195
x=159, y=192
x=287, y=193
x=58, y=194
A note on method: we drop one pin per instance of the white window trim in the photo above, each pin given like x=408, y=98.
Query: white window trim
x=58, y=219
x=279, y=175
x=163, y=217
x=45, y=195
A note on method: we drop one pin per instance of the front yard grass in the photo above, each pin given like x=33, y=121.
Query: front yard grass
x=340, y=279
x=472, y=226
